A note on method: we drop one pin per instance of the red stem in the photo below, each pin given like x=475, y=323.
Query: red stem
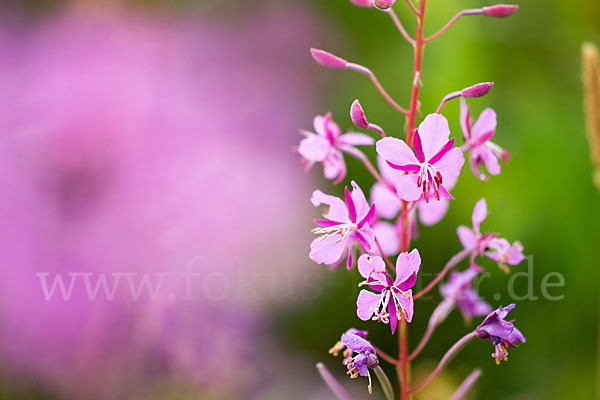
x=449, y=265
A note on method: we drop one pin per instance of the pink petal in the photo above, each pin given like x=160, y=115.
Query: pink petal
x=327, y=59
x=314, y=148
x=431, y=213
x=491, y=162
x=360, y=201
x=393, y=315
x=356, y=139
x=357, y=114
x=396, y=151
x=407, y=304
x=337, y=209
x=388, y=238
x=329, y=250
x=387, y=204
x=334, y=167
x=319, y=124
x=480, y=213
x=465, y=122
x=350, y=205
x=368, y=264
x=418, y=147
x=368, y=236
x=407, y=189
x=451, y=164
x=407, y=265
x=366, y=304
x=485, y=123
x=434, y=131
x=467, y=237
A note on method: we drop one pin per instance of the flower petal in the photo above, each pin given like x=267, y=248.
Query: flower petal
x=388, y=238
x=329, y=250
x=434, y=131
x=360, y=201
x=396, y=151
x=356, y=343
x=314, y=148
x=366, y=304
x=368, y=264
x=451, y=164
x=407, y=303
x=465, y=122
x=467, y=237
x=407, y=267
x=337, y=209
x=407, y=189
x=356, y=139
x=491, y=162
x=485, y=123
x=431, y=213
x=480, y=213
x=387, y=204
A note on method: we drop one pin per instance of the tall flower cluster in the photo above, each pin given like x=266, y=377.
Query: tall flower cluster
x=413, y=179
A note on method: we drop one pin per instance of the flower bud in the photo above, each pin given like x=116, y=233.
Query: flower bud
x=384, y=4
x=363, y=3
x=500, y=10
x=327, y=59
x=478, y=90
x=358, y=116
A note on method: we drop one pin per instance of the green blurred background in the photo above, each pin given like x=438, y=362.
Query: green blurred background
x=544, y=198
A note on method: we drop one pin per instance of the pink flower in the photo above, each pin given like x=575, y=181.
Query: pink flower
x=436, y=163
x=363, y=3
x=394, y=300
x=344, y=225
x=327, y=144
x=477, y=140
x=497, y=249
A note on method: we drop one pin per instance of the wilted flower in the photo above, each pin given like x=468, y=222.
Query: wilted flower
x=327, y=144
x=502, y=333
x=394, y=300
x=501, y=251
x=482, y=151
x=365, y=358
x=343, y=226
x=459, y=292
x=436, y=160
x=340, y=346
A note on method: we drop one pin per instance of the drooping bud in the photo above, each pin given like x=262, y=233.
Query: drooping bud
x=358, y=116
x=500, y=10
x=327, y=59
x=478, y=90
x=363, y=3
x=384, y=4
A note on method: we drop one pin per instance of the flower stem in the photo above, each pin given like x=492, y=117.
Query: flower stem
x=332, y=383
x=446, y=359
x=390, y=11
x=385, y=258
x=449, y=265
x=385, y=356
x=466, y=385
x=473, y=11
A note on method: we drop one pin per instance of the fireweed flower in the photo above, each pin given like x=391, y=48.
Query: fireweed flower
x=340, y=346
x=458, y=292
x=482, y=151
x=436, y=160
x=327, y=146
x=394, y=300
x=365, y=358
x=344, y=225
x=488, y=244
x=502, y=333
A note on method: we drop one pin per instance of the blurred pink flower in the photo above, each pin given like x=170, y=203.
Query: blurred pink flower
x=116, y=143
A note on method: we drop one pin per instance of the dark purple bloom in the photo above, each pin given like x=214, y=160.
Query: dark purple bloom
x=339, y=346
x=502, y=333
x=365, y=358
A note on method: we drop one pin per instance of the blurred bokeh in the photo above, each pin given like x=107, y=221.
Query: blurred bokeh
x=155, y=137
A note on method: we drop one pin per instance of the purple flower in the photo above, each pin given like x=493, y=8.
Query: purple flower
x=477, y=140
x=340, y=346
x=502, y=333
x=497, y=249
x=436, y=164
x=344, y=224
x=458, y=292
x=327, y=144
x=394, y=299
x=365, y=358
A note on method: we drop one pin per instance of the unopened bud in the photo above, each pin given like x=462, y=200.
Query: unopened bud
x=384, y=4
x=500, y=10
x=478, y=90
x=327, y=59
x=358, y=116
x=363, y=3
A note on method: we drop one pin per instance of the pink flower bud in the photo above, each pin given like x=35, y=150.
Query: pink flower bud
x=384, y=4
x=327, y=59
x=358, y=116
x=500, y=10
x=479, y=90
x=363, y=3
